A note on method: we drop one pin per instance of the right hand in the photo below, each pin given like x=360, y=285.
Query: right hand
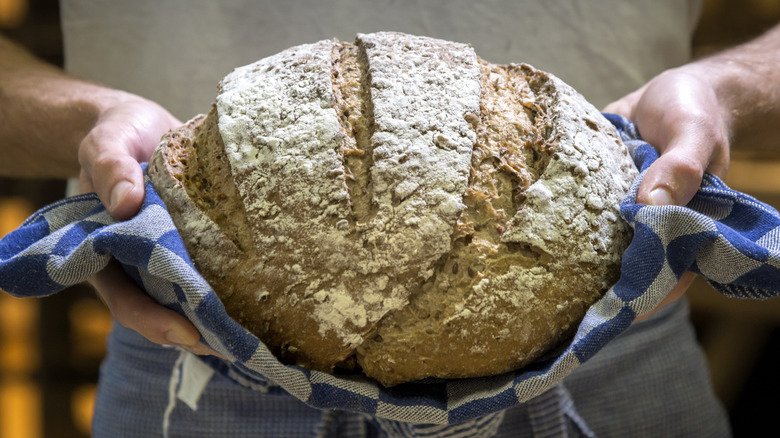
x=680, y=114
x=125, y=134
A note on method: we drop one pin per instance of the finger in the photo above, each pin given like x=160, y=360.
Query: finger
x=136, y=310
x=675, y=294
x=85, y=182
x=625, y=105
x=620, y=107
x=672, y=179
x=202, y=349
x=109, y=170
x=681, y=117
x=676, y=175
x=124, y=135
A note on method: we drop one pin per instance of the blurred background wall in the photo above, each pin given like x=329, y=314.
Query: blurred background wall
x=50, y=349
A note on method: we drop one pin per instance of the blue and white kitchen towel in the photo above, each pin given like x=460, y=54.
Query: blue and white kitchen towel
x=730, y=238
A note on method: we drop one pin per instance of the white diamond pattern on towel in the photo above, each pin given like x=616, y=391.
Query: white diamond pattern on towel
x=771, y=240
x=722, y=263
x=671, y=222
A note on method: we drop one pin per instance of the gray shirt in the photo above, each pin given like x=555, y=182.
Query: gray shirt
x=175, y=51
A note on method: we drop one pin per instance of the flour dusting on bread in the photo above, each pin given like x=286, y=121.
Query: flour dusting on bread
x=397, y=205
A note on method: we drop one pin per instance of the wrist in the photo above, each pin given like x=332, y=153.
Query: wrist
x=745, y=80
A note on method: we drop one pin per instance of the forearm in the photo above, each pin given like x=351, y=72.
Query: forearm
x=44, y=115
x=747, y=82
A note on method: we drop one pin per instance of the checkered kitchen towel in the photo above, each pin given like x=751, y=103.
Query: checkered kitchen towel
x=730, y=238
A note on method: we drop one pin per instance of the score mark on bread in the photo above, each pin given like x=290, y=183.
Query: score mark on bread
x=399, y=205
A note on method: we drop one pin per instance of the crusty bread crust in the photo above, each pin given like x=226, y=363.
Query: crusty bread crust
x=400, y=206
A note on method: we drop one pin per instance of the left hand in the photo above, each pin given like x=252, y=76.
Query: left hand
x=123, y=135
x=679, y=113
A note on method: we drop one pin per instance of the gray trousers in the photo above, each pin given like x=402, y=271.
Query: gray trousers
x=651, y=381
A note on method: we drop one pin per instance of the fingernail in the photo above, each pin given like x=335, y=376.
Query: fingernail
x=177, y=337
x=661, y=196
x=202, y=349
x=119, y=192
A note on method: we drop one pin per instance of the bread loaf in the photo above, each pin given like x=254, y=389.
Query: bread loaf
x=400, y=207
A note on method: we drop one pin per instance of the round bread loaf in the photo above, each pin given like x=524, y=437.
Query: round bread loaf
x=400, y=207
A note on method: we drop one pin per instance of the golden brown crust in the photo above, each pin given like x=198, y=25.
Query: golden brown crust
x=382, y=269
x=471, y=318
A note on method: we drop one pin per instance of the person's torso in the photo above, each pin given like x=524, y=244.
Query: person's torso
x=176, y=51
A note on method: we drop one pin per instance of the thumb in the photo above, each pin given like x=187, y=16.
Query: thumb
x=675, y=177
x=118, y=181
x=626, y=104
x=672, y=179
x=109, y=154
x=679, y=114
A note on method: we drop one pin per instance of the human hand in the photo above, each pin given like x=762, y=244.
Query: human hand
x=679, y=113
x=123, y=135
